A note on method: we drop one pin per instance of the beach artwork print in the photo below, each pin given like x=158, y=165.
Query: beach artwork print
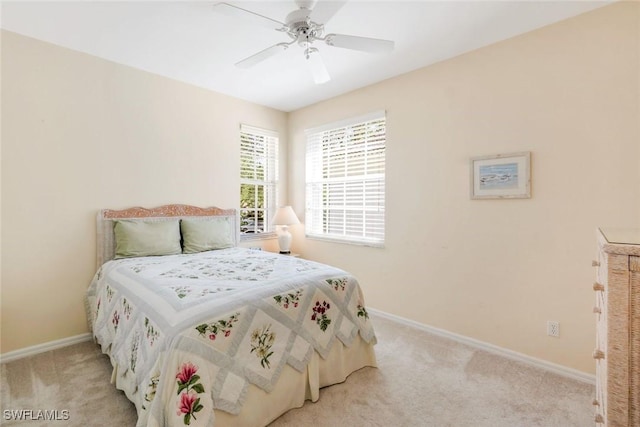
x=499, y=176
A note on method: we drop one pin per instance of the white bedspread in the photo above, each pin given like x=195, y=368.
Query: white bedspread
x=188, y=333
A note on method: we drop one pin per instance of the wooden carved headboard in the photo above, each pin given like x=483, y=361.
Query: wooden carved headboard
x=105, y=221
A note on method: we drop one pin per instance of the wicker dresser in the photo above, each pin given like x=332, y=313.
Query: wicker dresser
x=617, y=310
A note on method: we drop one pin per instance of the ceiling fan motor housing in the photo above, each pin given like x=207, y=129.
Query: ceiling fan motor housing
x=301, y=28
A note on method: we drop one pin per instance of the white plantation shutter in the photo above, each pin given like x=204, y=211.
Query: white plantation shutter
x=258, y=179
x=346, y=180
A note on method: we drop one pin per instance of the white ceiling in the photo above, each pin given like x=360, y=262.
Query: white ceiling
x=187, y=41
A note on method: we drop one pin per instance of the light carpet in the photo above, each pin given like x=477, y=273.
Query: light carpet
x=422, y=380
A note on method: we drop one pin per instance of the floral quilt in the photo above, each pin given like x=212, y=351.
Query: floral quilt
x=187, y=334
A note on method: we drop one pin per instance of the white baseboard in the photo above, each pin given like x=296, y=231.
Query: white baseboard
x=500, y=351
x=41, y=348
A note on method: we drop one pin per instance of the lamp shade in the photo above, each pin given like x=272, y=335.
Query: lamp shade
x=285, y=216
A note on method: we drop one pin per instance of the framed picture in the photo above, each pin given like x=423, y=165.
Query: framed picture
x=502, y=176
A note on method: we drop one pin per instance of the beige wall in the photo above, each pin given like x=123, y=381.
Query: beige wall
x=80, y=134
x=497, y=270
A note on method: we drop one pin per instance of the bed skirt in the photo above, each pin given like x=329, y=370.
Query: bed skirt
x=293, y=388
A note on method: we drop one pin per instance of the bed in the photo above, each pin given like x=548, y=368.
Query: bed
x=207, y=333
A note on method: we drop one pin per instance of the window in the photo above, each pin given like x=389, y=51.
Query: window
x=345, y=180
x=258, y=179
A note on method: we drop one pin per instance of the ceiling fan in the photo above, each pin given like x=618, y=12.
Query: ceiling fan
x=305, y=26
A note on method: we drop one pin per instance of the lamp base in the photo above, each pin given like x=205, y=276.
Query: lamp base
x=284, y=240
x=285, y=252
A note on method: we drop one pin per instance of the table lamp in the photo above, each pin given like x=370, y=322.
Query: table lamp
x=285, y=216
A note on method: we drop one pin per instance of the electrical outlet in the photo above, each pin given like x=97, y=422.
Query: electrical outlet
x=553, y=328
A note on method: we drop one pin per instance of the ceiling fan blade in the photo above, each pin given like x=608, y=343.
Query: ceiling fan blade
x=262, y=55
x=364, y=44
x=248, y=16
x=318, y=69
x=324, y=10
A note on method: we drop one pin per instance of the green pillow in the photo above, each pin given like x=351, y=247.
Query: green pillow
x=146, y=238
x=199, y=235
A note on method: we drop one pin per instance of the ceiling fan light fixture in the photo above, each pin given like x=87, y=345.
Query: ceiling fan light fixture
x=318, y=69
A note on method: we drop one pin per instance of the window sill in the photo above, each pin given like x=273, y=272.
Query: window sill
x=251, y=237
x=345, y=241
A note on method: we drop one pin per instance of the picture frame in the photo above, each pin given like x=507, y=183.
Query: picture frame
x=501, y=176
